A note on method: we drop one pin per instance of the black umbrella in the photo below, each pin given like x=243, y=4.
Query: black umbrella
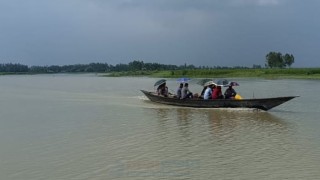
x=222, y=82
x=161, y=81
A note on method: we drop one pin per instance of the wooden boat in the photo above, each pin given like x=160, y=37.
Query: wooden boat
x=261, y=103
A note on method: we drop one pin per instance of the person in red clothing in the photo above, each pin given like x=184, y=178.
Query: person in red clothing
x=217, y=93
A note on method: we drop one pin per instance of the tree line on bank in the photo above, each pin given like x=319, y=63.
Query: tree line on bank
x=273, y=60
x=104, y=68
x=92, y=67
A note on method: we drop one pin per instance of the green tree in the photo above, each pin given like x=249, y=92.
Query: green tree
x=136, y=65
x=288, y=59
x=274, y=59
x=277, y=60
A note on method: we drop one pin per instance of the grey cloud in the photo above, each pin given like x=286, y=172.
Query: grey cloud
x=204, y=32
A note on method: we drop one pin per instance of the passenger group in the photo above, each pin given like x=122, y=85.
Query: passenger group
x=214, y=92
x=210, y=91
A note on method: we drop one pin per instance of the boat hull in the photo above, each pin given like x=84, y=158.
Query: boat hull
x=262, y=103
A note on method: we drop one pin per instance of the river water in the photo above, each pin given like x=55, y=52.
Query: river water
x=90, y=127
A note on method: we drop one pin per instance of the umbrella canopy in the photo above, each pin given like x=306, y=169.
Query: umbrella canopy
x=183, y=80
x=202, y=82
x=159, y=82
x=209, y=83
x=222, y=82
x=232, y=83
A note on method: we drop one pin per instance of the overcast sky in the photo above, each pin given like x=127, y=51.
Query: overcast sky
x=199, y=32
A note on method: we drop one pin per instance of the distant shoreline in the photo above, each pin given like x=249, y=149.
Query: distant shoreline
x=292, y=73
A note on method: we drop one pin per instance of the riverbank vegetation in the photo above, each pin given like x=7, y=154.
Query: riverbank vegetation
x=132, y=67
x=139, y=68
x=304, y=73
x=296, y=73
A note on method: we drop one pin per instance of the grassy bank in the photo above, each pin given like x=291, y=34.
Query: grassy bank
x=14, y=73
x=295, y=73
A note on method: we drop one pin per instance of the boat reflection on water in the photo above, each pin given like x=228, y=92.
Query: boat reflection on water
x=221, y=121
x=219, y=139
x=245, y=124
x=234, y=118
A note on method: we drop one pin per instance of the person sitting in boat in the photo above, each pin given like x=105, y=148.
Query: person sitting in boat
x=208, y=92
x=178, y=93
x=185, y=92
x=230, y=93
x=202, y=92
x=217, y=93
x=162, y=90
